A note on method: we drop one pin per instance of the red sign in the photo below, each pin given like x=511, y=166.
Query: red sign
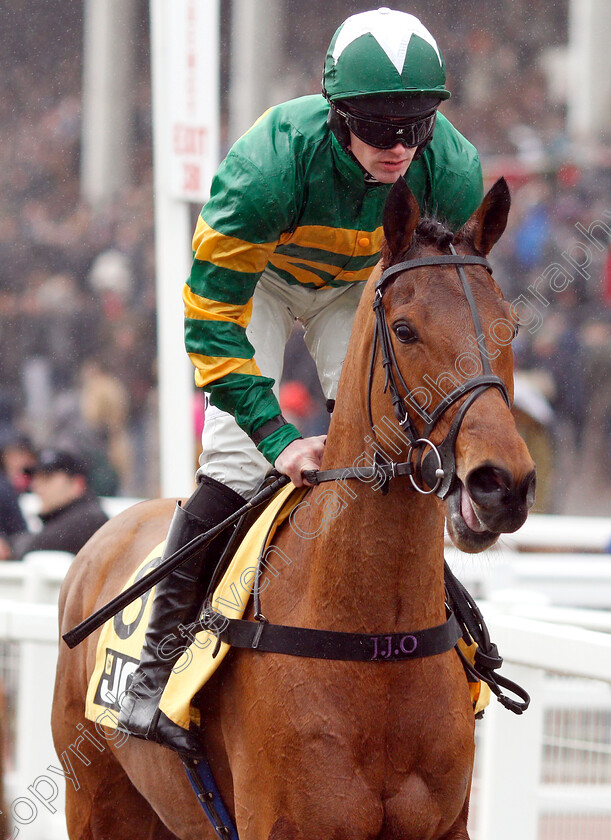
x=192, y=95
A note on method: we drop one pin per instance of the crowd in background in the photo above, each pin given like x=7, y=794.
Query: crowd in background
x=77, y=295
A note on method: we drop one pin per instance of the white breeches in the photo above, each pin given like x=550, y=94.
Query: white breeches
x=228, y=453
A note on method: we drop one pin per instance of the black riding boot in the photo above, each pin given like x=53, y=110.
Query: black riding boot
x=177, y=600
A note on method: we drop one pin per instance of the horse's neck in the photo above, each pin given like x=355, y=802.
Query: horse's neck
x=377, y=560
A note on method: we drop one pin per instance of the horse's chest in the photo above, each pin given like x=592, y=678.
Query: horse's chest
x=333, y=739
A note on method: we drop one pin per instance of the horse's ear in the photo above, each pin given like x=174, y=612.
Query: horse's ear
x=486, y=225
x=401, y=215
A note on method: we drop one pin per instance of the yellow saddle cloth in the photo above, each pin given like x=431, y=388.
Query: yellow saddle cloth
x=121, y=639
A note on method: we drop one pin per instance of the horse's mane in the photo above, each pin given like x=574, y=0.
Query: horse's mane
x=430, y=231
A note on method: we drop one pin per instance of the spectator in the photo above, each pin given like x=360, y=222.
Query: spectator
x=299, y=408
x=12, y=522
x=15, y=456
x=70, y=514
x=104, y=408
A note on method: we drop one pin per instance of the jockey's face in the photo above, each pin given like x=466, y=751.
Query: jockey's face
x=386, y=165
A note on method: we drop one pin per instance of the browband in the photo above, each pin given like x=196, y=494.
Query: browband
x=449, y=259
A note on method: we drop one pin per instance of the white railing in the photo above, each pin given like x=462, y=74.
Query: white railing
x=29, y=643
x=36, y=579
x=544, y=532
x=579, y=580
x=34, y=794
x=509, y=799
x=517, y=791
x=512, y=796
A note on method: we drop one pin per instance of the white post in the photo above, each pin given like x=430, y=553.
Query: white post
x=184, y=50
x=256, y=34
x=510, y=763
x=108, y=74
x=589, y=77
x=35, y=625
x=35, y=751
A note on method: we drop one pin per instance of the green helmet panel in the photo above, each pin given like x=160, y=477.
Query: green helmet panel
x=383, y=52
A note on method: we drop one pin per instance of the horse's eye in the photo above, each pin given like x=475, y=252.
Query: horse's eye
x=516, y=330
x=404, y=333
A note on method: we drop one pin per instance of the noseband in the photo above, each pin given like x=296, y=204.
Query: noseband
x=438, y=467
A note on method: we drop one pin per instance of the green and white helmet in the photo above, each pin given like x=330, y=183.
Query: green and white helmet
x=383, y=52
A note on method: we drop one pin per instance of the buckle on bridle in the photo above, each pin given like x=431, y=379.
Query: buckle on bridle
x=442, y=479
x=405, y=420
x=439, y=472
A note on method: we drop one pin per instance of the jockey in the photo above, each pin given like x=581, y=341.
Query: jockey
x=291, y=231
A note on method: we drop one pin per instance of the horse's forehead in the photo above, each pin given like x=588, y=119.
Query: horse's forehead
x=437, y=288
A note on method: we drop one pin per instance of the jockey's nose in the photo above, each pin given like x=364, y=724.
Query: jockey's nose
x=402, y=150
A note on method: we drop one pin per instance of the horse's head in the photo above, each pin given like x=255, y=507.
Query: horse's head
x=444, y=332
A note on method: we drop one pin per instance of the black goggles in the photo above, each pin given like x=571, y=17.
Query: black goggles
x=385, y=135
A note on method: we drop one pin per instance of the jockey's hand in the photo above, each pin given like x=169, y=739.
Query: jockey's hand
x=300, y=455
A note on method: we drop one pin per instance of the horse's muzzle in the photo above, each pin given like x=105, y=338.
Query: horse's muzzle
x=490, y=503
x=501, y=503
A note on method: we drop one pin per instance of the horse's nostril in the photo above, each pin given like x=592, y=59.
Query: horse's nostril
x=489, y=486
x=528, y=489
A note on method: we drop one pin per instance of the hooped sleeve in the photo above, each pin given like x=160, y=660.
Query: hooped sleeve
x=235, y=236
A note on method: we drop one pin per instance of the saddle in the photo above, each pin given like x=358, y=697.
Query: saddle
x=121, y=638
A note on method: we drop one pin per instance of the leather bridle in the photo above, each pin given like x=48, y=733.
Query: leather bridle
x=440, y=477
x=463, y=616
x=427, y=464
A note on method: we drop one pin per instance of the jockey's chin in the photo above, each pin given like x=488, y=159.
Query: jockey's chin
x=386, y=165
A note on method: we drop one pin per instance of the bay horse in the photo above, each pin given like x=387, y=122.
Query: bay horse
x=306, y=749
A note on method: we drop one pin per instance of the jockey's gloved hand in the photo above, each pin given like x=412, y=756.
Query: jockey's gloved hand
x=300, y=455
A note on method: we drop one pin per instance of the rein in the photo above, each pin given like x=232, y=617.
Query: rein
x=438, y=469
x=464, y=619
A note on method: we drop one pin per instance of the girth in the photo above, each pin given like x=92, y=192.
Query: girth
x=263, y=636
x=437, y=469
